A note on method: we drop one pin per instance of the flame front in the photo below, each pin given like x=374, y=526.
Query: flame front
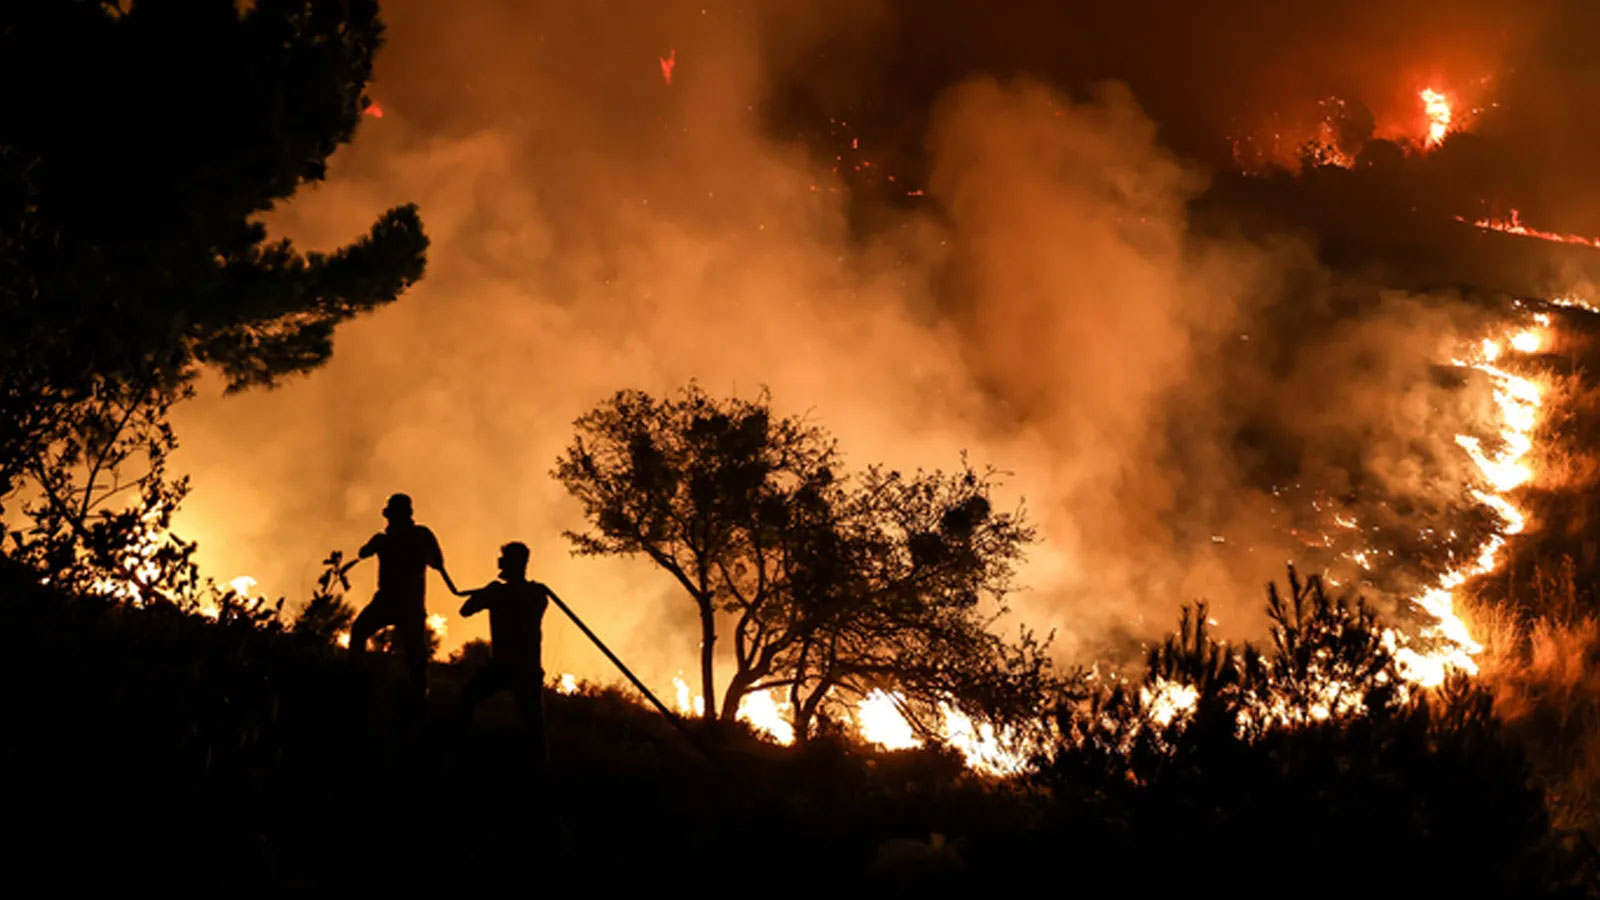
x=757, y=709
x=1518, y=401
x=1513, y=224
x=879, y=720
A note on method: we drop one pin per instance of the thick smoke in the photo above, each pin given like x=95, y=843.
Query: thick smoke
x=1042, y=304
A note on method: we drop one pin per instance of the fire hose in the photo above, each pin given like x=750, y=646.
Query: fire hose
x=672, y=717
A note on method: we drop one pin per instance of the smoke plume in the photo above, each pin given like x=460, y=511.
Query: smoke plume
x=999, y=261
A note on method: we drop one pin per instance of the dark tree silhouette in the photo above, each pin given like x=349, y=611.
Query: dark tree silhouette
x=140, y=144
x=829, y=586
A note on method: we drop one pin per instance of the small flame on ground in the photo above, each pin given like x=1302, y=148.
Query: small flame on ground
x=668, y=62
x=1574, y=303
x=243, y=585
x=373, y=110
x=879, y=720
x=689, y=703
x=767, y=716
x=1513, y=224
x=983, y=747
x=568, y=684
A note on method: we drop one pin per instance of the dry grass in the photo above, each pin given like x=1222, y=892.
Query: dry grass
x=1543, y=668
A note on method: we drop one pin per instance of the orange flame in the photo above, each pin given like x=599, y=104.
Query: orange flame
x=1437, y=106
x=1513, y=224
x=1518, y=400
x=373, y=110
x=667, y=63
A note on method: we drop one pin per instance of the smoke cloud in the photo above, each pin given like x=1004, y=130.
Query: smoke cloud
x=1027, y=288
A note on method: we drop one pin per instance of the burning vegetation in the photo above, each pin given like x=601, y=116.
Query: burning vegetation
x=1204, y=326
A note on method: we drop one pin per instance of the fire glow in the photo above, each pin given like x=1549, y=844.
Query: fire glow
x=1437, y=107
x=1505, y=469
x=1424, y=660
x=1513, y=224
x=1446, y=645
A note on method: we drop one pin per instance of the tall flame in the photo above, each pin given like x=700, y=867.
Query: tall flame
x=1437, y=107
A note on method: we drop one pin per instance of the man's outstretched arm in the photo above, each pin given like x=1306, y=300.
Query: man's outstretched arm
x=476, y=601
x=451, y=584
x=436, y=560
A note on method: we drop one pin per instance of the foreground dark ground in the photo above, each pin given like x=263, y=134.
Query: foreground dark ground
x=154, y=749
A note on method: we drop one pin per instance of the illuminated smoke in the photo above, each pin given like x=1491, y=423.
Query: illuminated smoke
x=1035, y=294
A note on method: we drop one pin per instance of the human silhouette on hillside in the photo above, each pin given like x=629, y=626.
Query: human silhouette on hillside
x=405, y=552
x=516, y=608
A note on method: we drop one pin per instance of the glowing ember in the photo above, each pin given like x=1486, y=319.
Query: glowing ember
x=667, y=64
x=342, y=638
x=1437, y=106
x=373, y=110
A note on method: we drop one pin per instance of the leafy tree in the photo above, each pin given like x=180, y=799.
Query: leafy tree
x=680, y=480
x=141, y=143
x=829, y=585
x=891, y=595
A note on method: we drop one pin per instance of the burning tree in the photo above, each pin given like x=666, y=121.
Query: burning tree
x=123, y=274
x=829, y=586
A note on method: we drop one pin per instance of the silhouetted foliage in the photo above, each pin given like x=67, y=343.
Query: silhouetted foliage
x=829, y=585
x=1272, y=752
x=326, y=614
x=178, y=753
x=125, y=271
